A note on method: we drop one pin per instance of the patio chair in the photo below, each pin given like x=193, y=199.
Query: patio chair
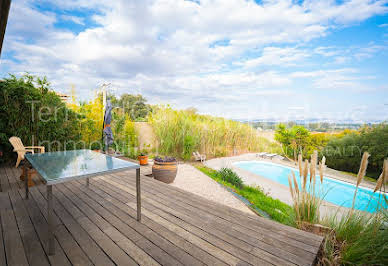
x=21, y=150
x=199, y=157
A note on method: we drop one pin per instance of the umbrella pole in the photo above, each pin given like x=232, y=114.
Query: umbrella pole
x=104, y=148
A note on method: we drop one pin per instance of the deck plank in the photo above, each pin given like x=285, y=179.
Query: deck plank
x=69, y=245
x=97, y=225
x=164, y=232
x=96, y=255
x=214, y=223
x=40, y=226
x=235, y=250
x=14, y=249
x=32, y=246
x=124, y=220
x=243, y=220
x=111, y=247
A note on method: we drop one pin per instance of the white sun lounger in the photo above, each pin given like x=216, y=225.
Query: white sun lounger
x=261, y=154
x=270, y=155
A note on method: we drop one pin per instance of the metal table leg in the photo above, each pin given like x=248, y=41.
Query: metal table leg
x=26, y=179
x=50, y=219
x=87, y=182
x=138, y=197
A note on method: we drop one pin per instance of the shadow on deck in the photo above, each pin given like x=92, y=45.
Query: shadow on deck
x=97, y=226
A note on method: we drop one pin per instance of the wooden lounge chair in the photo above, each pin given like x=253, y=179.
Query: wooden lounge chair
x=21, y=150
x=199, y=157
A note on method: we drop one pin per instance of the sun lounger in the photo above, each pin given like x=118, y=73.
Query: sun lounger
x=261, y=154
x=270, y=155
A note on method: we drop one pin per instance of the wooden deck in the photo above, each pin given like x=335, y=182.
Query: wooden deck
x=97, y=226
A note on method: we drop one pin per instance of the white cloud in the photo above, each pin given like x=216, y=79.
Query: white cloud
x=164, y=47
x=277, y=56
x=74, y=19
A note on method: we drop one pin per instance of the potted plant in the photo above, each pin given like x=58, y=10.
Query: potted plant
x=143, y=158
x=164, y=169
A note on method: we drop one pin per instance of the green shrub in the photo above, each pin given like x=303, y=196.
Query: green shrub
x=227, y=175
x=29, y=110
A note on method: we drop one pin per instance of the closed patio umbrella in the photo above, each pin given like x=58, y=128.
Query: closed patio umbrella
x=108, y=134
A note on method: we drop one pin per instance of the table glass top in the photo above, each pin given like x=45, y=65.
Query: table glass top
x=56, y=167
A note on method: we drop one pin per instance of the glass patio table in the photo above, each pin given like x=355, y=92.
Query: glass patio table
x=64, y=166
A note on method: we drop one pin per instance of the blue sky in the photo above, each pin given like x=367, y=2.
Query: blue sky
x=239, y=59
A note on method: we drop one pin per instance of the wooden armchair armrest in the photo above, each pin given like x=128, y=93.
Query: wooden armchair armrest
x=25, y=150
x=41, y=148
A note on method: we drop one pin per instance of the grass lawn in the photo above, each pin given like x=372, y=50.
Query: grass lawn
x=276, y=209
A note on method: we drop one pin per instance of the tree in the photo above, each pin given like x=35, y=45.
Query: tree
x=294, y=140
x=134, y=105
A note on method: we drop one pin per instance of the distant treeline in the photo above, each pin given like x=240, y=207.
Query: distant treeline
x=316, y=126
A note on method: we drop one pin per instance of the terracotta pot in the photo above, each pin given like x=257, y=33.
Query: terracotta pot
x=164, y=171
x=143, y=160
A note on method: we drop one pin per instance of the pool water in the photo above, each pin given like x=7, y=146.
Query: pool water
x=334, y=191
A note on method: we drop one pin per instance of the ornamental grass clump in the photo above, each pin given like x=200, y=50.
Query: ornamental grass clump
x=306, y=203
x=227, y=175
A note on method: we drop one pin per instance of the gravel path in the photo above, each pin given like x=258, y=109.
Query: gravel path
x=191, y=179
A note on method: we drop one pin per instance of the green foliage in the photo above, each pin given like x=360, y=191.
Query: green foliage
x=294, y=140
x=210, y=135
x=29, y=110
x=344, y=152
x=188, y=147
x=125, y=135
x=363, y=239
x=227, y=175
x=133, y=105
x=277, y=210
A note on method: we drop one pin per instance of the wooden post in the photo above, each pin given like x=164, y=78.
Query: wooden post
x=4, y=11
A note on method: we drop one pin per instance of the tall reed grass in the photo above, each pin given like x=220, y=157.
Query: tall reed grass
x=306, y=203
x=180, y=132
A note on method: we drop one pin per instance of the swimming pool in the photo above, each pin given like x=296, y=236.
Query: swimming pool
x=332, y=190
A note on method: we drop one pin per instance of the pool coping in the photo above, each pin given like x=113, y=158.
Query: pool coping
x=294, y=168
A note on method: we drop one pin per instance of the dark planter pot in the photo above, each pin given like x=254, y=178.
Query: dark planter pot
x=164, y=171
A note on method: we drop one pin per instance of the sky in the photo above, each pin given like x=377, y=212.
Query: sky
x=240, y=59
